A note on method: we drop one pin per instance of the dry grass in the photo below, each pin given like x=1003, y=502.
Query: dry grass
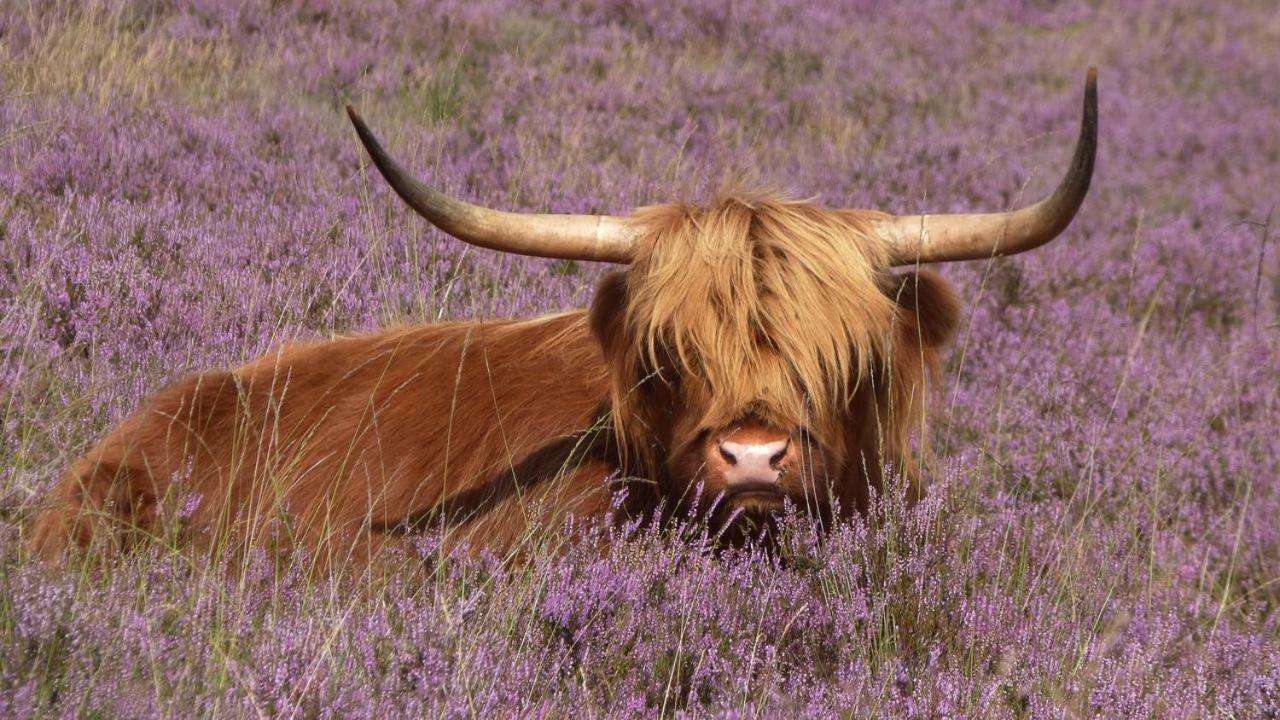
x=103, y=54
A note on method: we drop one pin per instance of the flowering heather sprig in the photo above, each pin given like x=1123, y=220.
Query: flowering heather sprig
x=179, y=191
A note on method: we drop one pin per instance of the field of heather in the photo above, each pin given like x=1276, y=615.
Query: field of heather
x=180, y=190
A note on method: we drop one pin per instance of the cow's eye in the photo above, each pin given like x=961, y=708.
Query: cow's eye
x=661, y=368
x=669, y=376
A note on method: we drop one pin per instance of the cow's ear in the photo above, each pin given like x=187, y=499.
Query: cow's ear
x=928, y=304
x=607, y=309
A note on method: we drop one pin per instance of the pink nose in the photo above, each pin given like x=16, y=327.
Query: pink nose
x=754, y=462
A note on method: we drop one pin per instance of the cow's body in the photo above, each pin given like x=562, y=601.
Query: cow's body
x=347, y=443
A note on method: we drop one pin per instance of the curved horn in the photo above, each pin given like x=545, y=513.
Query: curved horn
x=572, y=237
x=943, y=238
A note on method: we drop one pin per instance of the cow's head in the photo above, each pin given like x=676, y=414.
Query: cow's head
x=760, y=348
x=754, y=346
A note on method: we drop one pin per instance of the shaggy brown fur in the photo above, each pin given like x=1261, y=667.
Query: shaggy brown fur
x=753, y=307
x=779, y=311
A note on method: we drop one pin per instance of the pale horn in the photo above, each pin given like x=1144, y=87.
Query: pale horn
x=943, y=238
x=605, y=238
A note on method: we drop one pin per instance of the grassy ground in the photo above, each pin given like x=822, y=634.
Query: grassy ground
x=179, y=190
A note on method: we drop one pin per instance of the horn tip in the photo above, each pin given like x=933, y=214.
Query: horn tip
x=354, y=116
x=366, y=136
x=1091, y=98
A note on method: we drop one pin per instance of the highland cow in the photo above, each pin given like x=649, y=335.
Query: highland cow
x=755, y=351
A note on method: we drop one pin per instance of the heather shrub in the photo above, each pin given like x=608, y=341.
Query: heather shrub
x=179, y=190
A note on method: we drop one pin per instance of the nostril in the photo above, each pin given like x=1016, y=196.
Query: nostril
x=779, y=456
x=728, y=456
